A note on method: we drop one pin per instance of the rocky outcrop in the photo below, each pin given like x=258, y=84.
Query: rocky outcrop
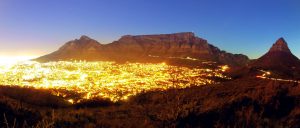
x=280, y=46
x=141, y=47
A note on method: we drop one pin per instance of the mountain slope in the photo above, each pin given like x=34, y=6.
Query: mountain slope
x=84, y=48
x=240, y=103
x=144, y=47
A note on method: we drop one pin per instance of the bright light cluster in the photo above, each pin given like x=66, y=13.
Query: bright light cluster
x=267, y=75
x=104, y=79
x=9, y=60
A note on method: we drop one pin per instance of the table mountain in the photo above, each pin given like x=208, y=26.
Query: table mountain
x=143, y=47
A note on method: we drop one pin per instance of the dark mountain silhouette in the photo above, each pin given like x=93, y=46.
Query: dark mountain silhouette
x=278, y=57
x=145, y=47
x=279, y=60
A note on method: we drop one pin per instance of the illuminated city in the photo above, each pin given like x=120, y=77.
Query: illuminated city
x=105, y=79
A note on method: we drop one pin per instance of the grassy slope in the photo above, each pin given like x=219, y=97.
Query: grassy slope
x=241, y=103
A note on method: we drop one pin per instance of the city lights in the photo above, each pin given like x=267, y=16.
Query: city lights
x=267, y=75
x=104, y=79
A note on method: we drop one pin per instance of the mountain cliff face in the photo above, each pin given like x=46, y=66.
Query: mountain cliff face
x=143, y=47
x=178, y=45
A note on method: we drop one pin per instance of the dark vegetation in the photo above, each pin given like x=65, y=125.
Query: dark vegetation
x=240, y=103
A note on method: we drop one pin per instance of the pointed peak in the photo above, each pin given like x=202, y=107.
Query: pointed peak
x=281, y=41
x=84, y=37
x=280, y=45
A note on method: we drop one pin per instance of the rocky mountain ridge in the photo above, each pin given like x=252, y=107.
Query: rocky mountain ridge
x=142, y=47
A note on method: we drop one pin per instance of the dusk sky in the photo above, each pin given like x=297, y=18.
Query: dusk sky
x=250, y=27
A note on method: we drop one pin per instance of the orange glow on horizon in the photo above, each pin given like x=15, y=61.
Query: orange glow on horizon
x=8, y=60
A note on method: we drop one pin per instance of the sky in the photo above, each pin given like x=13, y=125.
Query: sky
x=250, y=27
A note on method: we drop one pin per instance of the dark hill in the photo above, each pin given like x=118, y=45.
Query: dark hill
x=278, y=57
x=245, y=103
x=279, y=60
